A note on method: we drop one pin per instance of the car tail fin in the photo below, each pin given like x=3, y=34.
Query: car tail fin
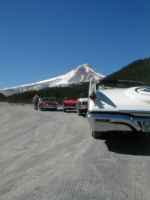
x=92, y=90
x=93, y=96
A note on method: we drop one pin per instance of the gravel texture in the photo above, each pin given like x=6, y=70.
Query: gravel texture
x=52, y=156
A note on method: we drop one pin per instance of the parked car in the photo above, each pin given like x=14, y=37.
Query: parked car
x=69, y=104
x=47, y=103
x=82, y=106
x=118, y=108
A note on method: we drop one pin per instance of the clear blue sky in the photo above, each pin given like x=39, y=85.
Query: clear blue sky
x=43, y=38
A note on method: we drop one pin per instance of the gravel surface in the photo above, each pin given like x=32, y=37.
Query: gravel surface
x=52, y=156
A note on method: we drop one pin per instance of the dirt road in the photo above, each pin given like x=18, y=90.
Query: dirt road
x=52, y=156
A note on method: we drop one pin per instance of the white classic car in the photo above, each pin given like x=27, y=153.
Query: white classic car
x=82, y=106
x=118, y=108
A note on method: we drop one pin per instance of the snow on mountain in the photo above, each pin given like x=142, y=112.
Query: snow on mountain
x=82, y=73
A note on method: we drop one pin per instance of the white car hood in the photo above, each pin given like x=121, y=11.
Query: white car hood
x=120, y=99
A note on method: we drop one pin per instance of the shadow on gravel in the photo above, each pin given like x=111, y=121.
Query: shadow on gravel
x=71, y=111
x=128, y=143
x=49, y=110
x=82, y=115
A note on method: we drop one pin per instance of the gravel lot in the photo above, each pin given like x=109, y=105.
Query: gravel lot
x=52, y=156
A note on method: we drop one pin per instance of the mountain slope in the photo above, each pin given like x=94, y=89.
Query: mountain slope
x=138, y=70
x=83, y=73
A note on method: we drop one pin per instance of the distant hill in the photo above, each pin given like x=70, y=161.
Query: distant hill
x=138, y=70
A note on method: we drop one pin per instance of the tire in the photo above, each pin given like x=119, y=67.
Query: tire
x=79, y=113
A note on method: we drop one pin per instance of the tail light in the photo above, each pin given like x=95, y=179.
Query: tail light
x=40, y=104
x=93, y=96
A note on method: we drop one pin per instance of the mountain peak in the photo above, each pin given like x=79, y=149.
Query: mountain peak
x=85, y=66
x=82, y=73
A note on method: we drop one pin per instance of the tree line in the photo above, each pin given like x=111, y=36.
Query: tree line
x=72, y=91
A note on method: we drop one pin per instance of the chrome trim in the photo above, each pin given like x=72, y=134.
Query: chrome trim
x=136, y=123
x=70, y=107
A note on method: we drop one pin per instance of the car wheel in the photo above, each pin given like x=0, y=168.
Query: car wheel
x=79, y=113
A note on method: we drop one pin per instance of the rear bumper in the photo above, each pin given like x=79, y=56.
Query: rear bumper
x=70, y=108
x=48, y=107
x=82, y=110
x=101, y=121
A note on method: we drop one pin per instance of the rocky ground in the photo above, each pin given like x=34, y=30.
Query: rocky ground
x=52, y=156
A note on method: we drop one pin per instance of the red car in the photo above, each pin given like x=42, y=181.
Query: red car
x=70, y=104
x=47, y=103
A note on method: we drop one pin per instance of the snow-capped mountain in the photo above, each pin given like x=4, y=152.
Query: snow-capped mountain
x=82, y=73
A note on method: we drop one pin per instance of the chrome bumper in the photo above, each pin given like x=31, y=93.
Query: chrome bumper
x=101, y=121
x=83, y=107
x=48, y=107
x=69, y=107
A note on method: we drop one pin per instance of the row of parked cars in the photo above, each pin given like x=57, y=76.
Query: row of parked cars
x=122, y=106
x=69, y=104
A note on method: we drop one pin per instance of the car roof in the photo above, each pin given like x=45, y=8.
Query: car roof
x=82, y=99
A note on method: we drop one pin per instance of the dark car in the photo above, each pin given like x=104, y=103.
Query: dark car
x=47, y=103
